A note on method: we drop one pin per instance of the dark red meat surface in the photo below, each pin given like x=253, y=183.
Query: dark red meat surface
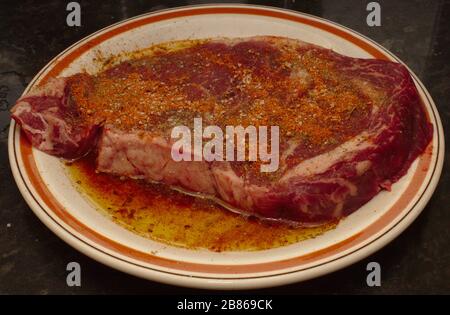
x=316, y=182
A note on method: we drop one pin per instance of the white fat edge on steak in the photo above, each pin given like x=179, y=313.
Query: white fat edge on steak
x=117, y=155
x=234, y=188
x=144, y=155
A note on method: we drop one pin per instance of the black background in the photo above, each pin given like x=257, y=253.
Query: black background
x=33, y=260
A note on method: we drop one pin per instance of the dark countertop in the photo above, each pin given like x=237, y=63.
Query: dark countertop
x=33, y=260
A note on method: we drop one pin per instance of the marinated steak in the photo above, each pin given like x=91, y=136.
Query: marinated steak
x=348, y=127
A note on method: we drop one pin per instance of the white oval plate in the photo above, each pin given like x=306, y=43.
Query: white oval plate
x=49, y=192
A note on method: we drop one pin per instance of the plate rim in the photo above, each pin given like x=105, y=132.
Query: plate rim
x=241, y=283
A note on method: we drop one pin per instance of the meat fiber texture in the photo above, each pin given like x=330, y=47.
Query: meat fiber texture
x=319, y=189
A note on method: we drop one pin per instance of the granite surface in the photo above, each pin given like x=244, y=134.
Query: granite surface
x=33, y=260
